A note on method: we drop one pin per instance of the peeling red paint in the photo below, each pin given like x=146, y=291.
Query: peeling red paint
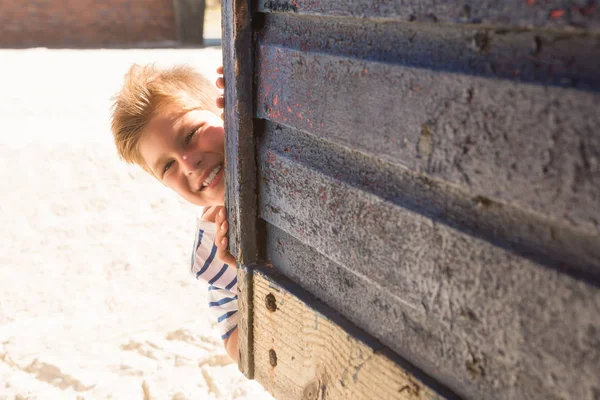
x=274, y=114
x=271, y=157
x=275, y=100
x=531, y=2
x=323, y=194
x=557, y=13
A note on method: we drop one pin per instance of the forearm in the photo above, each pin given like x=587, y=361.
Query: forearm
x=231, y=345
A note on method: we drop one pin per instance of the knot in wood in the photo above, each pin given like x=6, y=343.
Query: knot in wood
x=311, y=391
x=272, y=358
x=271, y=302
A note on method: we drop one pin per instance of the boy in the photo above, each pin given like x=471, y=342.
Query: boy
x=166, y=121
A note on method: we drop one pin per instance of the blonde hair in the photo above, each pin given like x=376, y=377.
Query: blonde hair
x=148, y=89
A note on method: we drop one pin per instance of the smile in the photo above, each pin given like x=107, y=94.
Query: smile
x=208, y=182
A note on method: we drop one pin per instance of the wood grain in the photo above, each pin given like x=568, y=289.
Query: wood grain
x=302, y=354
x=240, y=161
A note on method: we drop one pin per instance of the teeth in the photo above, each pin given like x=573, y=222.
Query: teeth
x=211, y=176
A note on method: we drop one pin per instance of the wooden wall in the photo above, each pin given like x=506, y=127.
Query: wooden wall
x=431, y=171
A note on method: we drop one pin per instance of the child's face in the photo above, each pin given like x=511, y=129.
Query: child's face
x=186, y=151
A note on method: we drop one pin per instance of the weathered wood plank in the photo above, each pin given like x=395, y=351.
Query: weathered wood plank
x=556, y=14
x=284, y=152
x=241, y=168
x=533, y=145
x=555, y=58
x=246, y=313
x=463, y=310
x=302, y=353
x=240, y=161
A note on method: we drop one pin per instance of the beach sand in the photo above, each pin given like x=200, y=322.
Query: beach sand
x=97, y=301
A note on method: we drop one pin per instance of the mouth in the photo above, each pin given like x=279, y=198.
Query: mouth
x=213, y=178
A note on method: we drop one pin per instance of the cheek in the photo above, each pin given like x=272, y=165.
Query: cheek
x=174, y=183
x=214, y=139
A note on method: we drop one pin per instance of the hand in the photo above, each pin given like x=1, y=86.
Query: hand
x=221, y=240
x=221, y=85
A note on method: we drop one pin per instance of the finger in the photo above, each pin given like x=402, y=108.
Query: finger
x=223, y=116
x=222, y=249
x=223, y=254
x=220, y=70
x=220, y=218
x=220, y=82
x=221, y=102
x=224, y=227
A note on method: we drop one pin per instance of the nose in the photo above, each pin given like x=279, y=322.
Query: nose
x=190, y=162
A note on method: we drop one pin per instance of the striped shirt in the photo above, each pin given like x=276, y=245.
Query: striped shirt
x=221, y=278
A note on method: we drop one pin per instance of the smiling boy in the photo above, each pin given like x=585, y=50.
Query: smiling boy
x=166, y=121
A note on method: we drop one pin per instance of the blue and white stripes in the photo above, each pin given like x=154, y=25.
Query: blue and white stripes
x=221, y=278
x=224, y=308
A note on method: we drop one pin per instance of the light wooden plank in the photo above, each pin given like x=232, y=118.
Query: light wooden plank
x=300, y=353
x=245, y=332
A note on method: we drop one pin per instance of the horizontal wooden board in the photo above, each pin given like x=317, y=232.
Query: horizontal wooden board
x=302, y=352
x=544, y=240
x=555, y=14
x=472, y=314
x=533, y=145
x=543, y=57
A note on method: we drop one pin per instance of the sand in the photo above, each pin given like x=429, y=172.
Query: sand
x=97, y=302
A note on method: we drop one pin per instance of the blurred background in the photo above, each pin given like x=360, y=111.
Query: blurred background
x=111, y=23
x=96, y=299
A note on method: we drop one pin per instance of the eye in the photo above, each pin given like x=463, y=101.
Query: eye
x=167, y=166
x=190, y=135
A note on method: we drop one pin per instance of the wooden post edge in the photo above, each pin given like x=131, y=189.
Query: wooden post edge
x=240, y=168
